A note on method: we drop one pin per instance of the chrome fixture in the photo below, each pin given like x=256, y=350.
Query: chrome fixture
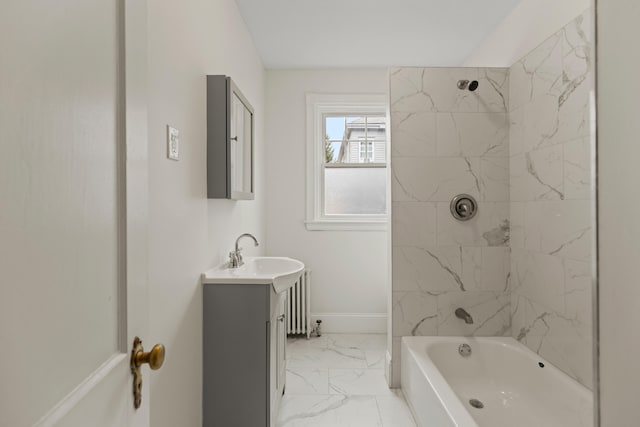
x=316, y=331
x=466, y=84
x=235, y=257
x=463, y=207
x=464, y=350
x=461, y=313
x=476, y=403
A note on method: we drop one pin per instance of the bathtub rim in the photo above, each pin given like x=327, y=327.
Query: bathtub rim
x=449, y=401
x=452, y=404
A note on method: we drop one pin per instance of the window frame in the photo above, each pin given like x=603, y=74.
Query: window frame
x=318, y=107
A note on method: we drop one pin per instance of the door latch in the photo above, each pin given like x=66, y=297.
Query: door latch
x=155, y=359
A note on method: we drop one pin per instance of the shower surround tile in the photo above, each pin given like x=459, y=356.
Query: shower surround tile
x=428, y=269
x=577, y=169
x=538, y=175
x=413, y=224
x=550, y=180
x=517, y=225
x=414, y=314
x=536, y=123
x=538, y=73
x=561, y=228
x=520, y=145
x=538, y=277
x=413, y=133
x=432, y=314
x=490, y=226
x=493, y=272
x=579, y=291
x=427, y=89
x=493, y=92
x=438, y=179
x=562, y=340
x=472, y=135
x=439, y=262
x=494, y=179
x=433, y=179
x=491, y=313
x=451, y=268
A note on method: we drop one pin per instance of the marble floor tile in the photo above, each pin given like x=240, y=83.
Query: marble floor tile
x=345, y=358
x=357, y=341
x=307, y=381
x=358, y=382
x=304, y=344
x=375, y=358
x=329, y=411
x=338, y=380
x=394, y=410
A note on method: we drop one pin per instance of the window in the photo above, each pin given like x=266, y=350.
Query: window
x=366, y=150
x=347, y=144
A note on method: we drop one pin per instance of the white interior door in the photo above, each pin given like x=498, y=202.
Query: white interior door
x=72, y=211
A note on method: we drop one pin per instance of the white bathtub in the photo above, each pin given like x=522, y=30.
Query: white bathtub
x=503, y=374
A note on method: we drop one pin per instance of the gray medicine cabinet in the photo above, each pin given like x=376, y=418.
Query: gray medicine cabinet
x=230, y=141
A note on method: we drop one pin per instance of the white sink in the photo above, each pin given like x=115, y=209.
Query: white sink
x=281, y=272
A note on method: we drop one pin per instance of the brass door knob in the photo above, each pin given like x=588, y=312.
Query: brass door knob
x=155, y=357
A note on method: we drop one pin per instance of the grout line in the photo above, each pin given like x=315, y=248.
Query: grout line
x=379, y=411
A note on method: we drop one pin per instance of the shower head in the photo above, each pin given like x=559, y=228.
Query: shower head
x=466, y=84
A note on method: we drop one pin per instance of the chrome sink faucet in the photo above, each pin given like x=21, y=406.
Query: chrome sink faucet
x=235, y=257
x=461, y=313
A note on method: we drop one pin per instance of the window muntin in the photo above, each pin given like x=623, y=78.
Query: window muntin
x=361, y=139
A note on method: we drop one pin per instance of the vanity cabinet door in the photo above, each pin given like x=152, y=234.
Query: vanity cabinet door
x=281, y=356
x=237, y=359
x=273, y=369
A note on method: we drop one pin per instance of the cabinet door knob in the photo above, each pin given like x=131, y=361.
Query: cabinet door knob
x=281, y=318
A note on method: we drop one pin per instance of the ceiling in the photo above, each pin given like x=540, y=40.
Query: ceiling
x=369, y=33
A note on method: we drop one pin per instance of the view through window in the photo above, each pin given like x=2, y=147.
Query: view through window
x=354, y=168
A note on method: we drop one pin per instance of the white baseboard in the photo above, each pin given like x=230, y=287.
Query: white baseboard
x=351, y=323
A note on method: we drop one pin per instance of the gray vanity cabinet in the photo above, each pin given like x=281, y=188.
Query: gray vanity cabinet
x=244, y=344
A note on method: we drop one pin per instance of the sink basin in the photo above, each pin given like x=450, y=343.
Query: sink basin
x=281, y=272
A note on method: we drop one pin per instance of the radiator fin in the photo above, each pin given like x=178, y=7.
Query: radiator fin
x=299, y=306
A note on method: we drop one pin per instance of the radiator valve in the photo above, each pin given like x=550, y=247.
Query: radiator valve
x=316, y=331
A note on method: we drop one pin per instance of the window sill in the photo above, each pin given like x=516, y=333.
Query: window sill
x=379, y=225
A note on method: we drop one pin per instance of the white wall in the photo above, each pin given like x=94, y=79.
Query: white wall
x=619, y=229
x=349, y=268
x=188, y=233
x=528, y=25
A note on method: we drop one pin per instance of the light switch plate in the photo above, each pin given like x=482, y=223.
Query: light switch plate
x=173, y=143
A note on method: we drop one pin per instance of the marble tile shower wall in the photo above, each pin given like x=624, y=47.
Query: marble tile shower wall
x=551, y=200
x=448, y=141
x=520, y=145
